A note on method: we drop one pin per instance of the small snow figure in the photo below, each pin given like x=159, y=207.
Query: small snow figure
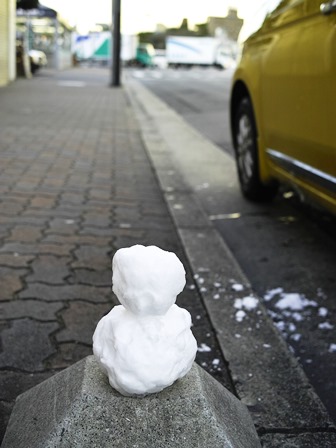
x=145, y=344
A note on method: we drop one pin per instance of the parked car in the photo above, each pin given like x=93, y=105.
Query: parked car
x=283, y=101
x=38, y=59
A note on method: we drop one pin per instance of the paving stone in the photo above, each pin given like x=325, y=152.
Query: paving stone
x=55, y=183
x=102, y=195
x=127, y=213
x=37, y=248
x=11, y=283
x=13, y=384
x=10, y=208
x=126, y=230
x=19, y=199
x=97, y=220
x=55, y=249
x=4, y=233
x=49, y=269
x=97, y=278
x=63, y=226
x=65, y=213
x=68, y=353
x=26, y=344
x=162, y=238
x=72, y=198
x=5, y=411
x=38, y=221
x=26, y=185
x=92, y=257
x=42, y=202
x=80, y=321
x=99, y=231
x=151, y=223
x=25, y=233
x=15, y=260
x=34, y=309
x=63, y=293
x=78, y=240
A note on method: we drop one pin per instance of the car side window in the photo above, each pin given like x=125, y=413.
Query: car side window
x=286, y=12
x=265, y=15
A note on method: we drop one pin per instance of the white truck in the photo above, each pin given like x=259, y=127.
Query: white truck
x=97, y=47
x=206, y=51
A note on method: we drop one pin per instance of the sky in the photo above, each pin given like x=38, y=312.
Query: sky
x=143, y=15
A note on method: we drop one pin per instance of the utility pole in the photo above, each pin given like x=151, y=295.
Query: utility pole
x=115, y=43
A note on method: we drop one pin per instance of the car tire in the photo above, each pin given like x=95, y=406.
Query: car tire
x=246, y=152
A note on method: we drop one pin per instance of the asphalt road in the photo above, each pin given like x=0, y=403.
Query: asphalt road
x=286, y=249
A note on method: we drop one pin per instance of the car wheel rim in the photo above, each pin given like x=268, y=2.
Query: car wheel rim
x=245, y=148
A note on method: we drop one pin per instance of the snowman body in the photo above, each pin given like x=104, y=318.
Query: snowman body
x=145, y=344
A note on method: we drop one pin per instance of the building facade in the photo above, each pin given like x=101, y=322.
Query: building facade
x=7, y=42
x=231, y=24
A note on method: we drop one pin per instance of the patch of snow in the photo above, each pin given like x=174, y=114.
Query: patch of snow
x=272, y=293
x=240, y=315
x=215, y=362
x=248, y=303
x=296, y=337
x=332, y=348
x=237, y=287
x=291, y=327
x=217, y=285
x=325, y=326
x=294, y=301
x=273, y=314
x=322, y=312
x=203, y=348
x=297, y=316
x=201, y=269
x=266, y=345
x=216, y=296
x=280, y=325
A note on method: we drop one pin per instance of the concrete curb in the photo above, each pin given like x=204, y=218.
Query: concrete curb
x=266, y=375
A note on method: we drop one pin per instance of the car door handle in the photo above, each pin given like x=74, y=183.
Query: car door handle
x=328, y=8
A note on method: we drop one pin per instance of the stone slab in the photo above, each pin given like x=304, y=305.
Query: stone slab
x=77, y=407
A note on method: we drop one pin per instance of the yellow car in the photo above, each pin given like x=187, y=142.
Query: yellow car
x=283, y=101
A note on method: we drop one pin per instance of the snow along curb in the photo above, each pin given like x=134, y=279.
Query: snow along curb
x=267, y=377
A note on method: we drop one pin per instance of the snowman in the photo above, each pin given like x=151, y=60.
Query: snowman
x=145, y=344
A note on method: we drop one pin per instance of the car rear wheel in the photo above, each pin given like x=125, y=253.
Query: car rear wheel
x=246, y=151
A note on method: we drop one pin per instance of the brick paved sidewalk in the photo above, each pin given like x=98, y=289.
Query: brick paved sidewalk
x=75, y=185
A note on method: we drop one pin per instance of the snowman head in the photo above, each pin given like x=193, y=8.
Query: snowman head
x=147, y=280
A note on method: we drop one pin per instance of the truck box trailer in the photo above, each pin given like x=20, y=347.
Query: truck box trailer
x=194, y=50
